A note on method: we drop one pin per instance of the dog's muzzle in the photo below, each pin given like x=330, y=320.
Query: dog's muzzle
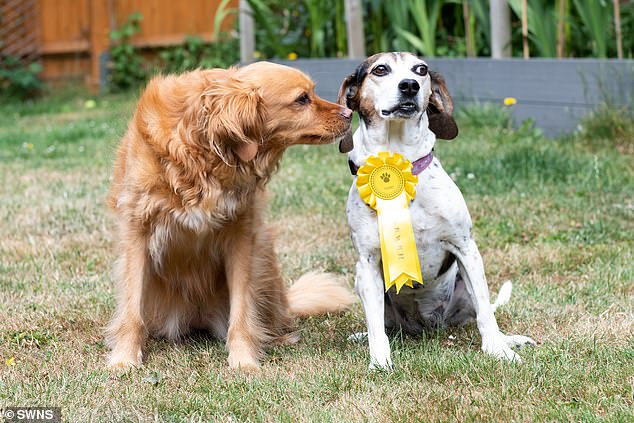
x=407, y=105
x=404, y=109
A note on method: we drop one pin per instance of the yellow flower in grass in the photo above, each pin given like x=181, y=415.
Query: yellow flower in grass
x=510, y=101
x=292, y=56
x=10, y=361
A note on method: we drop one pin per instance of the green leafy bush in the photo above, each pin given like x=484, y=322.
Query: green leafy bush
x=127, y=67
x=310, y=28
x=609, y=124
x=18, y=80
x=196, y=53
x=481, y=115
x=299, y=28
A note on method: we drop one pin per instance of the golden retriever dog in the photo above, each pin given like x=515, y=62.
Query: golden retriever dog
x=188, y=195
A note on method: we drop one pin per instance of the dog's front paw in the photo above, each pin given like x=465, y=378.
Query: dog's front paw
x=381, y=365
x=124, y=360
x=498, y=348
x=244, y=362
x=246, y=367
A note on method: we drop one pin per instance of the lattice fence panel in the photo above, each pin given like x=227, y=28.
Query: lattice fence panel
x=19, y=30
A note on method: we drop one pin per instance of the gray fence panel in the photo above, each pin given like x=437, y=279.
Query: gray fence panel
x=555, y=93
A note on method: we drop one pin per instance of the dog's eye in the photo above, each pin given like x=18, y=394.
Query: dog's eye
x=420, y=70
x=381, y=70
x=303, y=99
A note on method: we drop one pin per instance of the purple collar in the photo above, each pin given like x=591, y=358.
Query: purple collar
x=417, y=167
x=421, y=164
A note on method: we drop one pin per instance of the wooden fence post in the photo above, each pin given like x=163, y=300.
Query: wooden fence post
x=617, y=29
x=500, y=15
x=99, y=32
x=466, y=17
x=525, y=30
x=561, y=32
x=354, y=26
x=247, y=33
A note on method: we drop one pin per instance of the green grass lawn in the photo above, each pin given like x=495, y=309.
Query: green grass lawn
x=554, y=216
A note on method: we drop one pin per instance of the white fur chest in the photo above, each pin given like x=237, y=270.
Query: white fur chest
x=212, y=214
x=191, y=228
x=438, y=213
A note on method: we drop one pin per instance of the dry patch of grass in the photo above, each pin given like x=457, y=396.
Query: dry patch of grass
x=308, y=242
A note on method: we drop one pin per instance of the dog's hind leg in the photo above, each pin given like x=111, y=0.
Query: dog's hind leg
x=494, y=342
x=460, y=309
x=126, y=332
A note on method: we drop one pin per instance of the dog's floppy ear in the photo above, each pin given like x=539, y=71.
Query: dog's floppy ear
x=348, y=93
x=440, y=109
x=234, y=118
x=348, y=97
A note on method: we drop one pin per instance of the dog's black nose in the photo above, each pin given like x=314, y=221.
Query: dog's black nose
x=409, y=87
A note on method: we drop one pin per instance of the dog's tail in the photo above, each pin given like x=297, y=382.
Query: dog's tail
x=504, y=295
x=318, y=293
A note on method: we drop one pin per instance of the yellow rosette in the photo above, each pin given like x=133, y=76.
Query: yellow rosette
x=386, y=183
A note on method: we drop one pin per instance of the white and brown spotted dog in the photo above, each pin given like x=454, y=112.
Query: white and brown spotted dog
x=403, y=108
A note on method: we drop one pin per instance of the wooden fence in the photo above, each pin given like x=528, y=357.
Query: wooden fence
x=72, y=35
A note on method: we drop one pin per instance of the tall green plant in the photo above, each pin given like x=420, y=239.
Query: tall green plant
x=376, y=26
x=221, y=13
x=325, y=27
x=542, y=24
x=318, y=15
x=480, y=11
x=309, y=28
x=341, y=35
x=399, y=17
x=425, y=15
x=268, y=23
x=595, y=17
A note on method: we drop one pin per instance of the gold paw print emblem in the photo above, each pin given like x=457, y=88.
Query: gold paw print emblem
x=385, y=177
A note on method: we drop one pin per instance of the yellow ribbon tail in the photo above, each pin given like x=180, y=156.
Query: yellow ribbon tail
x=398, y=245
